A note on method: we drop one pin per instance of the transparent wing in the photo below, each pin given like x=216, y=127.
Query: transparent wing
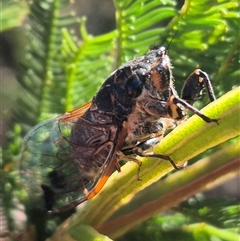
x=59, y=167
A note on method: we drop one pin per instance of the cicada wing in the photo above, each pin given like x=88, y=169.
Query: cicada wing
x=75, y=113
x=45, y=151
x=59, y=170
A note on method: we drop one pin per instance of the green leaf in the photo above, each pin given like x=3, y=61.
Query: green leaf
x=81, y=65
x=42, y=78
x=12, y=14
x=202, y=229
x=136, y=23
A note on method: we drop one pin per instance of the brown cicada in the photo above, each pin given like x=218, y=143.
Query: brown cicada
x=68, y=159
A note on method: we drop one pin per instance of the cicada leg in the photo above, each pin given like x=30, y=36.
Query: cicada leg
x=176, y=100
x=124, y=157
x=140, y=152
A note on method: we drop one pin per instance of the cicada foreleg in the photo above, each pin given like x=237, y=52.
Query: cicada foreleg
x=193, y=90
x=176, y=100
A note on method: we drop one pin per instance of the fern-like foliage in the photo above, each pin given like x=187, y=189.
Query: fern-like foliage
x=204, y=28
x=42, y=77
x=12, y=14
x=85, y=64
x=62, y=71
x=139, y=25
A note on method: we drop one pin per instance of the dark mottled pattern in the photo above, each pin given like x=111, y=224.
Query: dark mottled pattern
x=67, y=160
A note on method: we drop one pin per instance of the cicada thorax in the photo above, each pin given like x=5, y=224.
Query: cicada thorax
x=154, y=73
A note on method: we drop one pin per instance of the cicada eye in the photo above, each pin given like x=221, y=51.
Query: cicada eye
x=134, y=86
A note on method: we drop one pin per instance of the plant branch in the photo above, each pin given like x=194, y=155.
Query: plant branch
x=176, y=188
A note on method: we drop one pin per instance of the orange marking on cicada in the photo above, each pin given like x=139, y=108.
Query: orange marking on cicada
x=76, y=113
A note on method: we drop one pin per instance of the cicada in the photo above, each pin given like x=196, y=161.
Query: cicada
x=67, y=160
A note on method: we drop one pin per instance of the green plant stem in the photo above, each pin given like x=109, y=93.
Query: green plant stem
x=176, y=188
x=80, y=233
